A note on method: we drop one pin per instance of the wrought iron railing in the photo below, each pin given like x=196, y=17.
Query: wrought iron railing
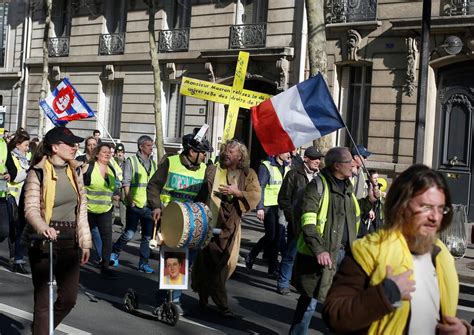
x=58, y=46
x=112, y=44
x=342, y=11
x=248, y=36
x=457, y=7
x=173, y=40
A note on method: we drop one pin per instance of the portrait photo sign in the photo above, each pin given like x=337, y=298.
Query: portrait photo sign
x=173, y=268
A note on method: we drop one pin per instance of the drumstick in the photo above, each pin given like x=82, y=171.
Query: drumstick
x=154, y=229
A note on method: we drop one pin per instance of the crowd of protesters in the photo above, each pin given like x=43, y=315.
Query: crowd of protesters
x=320, y=224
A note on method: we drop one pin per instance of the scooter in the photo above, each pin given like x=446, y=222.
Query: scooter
x=167, y=312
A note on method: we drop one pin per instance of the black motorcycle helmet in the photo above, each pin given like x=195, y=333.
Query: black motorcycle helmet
x=190, y=143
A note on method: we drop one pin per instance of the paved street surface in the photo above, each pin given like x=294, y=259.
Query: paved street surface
x=99, y=307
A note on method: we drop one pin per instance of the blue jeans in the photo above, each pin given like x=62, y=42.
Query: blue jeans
x=287, y=260
x=162, y=295
x=306, y=307
x=135, y=215
x=97, y=241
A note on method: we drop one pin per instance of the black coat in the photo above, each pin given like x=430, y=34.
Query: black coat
x=290, y=198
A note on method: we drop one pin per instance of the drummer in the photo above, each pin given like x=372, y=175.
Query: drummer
x=182, y=178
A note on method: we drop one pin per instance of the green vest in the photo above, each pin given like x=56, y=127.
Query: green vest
x=99, y=192
x=15, y=188
x=140, y=179
x=270, y=196
x=182, y=184
x=3, y=168
x=117, y=168
x=319, y=219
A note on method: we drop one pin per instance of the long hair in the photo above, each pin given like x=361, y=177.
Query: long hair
x=42, y=149
x=244, y=161
x=410, y=183
x=19, y=137
x=90, y=138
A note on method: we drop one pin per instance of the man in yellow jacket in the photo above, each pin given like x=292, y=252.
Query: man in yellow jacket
x=402, y=278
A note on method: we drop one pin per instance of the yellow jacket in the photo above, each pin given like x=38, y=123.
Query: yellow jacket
x=381, y=249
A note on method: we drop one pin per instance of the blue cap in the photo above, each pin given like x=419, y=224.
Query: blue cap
x=362, y=151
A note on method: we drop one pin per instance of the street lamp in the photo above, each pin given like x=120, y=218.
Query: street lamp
x=452, y=45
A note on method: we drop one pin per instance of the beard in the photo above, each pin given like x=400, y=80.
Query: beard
x=417, y=243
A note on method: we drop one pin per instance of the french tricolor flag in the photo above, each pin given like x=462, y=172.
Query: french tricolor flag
x=297, y=116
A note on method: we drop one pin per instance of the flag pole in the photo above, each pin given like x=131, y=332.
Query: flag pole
x=364, y=168
x=105, y=128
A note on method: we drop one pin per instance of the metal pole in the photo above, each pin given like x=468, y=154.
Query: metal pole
x=50, y=290
x=423, y=82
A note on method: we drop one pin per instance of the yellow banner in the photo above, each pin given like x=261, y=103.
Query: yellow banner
x=205, y=90
x=233, y=111
x=219, y=93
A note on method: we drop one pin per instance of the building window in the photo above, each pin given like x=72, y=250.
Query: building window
x=355, y=102
x=342, y=11
x=115, y=14
x=61, y=13
x=178, y=14
x=251, y=11
x=3, y=31
x=175, y=103
x=113, y=93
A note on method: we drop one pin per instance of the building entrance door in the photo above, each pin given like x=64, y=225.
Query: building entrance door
x=455, y=124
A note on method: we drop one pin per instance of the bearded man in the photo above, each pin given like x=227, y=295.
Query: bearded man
x=237, y=192
x=374, y=290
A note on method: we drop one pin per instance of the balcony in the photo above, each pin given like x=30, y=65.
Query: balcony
x=248, y=36
x=58, y=47
x=457, y=7
x=173, y=40
x=344, y=11
x=111, y=44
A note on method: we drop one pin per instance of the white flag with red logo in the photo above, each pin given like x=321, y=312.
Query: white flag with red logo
x=65, y=104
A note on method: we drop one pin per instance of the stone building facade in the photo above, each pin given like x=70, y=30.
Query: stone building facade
x=373, y=57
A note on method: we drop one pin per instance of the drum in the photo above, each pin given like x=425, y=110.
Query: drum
x=186, y=225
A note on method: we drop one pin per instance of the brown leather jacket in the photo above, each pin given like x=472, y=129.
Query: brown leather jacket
x=35, y=206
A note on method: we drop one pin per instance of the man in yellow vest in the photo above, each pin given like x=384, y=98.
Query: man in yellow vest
x=379, y=276
x=270, y=175
x=137, y=172
x=179, y=178
x=118, y=162
x=329, y=224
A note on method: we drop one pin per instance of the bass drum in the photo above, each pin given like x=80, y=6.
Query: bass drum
x=186, y=225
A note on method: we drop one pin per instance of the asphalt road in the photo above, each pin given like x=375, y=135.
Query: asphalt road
x=99, y=306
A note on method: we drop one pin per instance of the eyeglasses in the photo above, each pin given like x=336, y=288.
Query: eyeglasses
x=429, y=209
x=345, y=162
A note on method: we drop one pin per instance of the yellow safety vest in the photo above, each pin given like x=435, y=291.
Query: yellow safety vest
x=319, y=219
x=15, y=188
x=270, y=196
x=99, y=192
x=117, y=168
x=3, y=161
x=140, y=179
x=182, y=184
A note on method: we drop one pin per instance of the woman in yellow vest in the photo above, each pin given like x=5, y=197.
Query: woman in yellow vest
x=101, y=186
x=18, y=147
